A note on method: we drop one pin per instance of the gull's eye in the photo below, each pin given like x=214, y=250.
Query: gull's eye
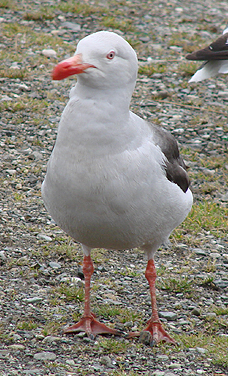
x=111, y=55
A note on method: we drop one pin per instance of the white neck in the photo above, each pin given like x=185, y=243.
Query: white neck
x=116, y=96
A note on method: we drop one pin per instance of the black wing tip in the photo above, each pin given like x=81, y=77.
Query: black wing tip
x=217, y=50
x=177, y=174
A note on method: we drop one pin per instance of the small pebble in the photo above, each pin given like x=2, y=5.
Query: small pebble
x=201, y=350
x=196, y=312
x=170, y=316
x=210, y=315
x=45, y=355
x=106, y=360
x=215, y=254
x=11, y=172
x=5, y=98
x=71, y=362
x=220, y=283
x=72, y=26
x=15, y=65
x=55, y=265
x=32, y=371
x=51, y=339
x=49, y=53
x=199, y=252
x=35, y=299
x=44, y=237
x=175, y=365
x=200, y=371
x=162, y=357
x=145, y=338
x=3, y=256
x=16, y=346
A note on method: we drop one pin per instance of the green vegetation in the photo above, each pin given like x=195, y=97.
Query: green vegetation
x=122, y=314
x=70, y=293
x=45, y=13
x=220, y=311
x=24, y=102
x=176, y=285
x=13, y=73
x=114, y=23
x=150, y=69
x=6, y=3
x=22, y=37
x=113, y=346
x=51, y=327
x=186, y=41
x=207, y=217
x=216, y=346
x=84, y=9
x=26, y=325
x=129, y=272
x=187, y=69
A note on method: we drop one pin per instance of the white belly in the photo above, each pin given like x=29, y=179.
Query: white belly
x=118, y=202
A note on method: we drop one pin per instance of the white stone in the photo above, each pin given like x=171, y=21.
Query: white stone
x=17, y=346
x=44, y=237
x=5, y=98
x=49, y=52
x=45, y=355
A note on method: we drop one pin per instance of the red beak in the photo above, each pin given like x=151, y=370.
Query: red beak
x=68, y=67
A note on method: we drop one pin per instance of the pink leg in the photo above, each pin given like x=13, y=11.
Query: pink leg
x=154, y=325
x=88, y=323
x=158, y=334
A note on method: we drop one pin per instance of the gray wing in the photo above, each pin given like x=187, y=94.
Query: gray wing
x=175, y=167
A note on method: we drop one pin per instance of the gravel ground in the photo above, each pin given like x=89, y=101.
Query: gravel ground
x=41, y=286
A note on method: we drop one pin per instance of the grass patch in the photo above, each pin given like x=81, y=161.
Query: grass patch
x=18, y=196
x=186, y=41
x=100, y=256
x=45, y=13
x=123, y=315
x=129, y=272
x=176, y=285
x=26, y=325
x=210, y=267
x=216, y=346
x=188, y=69
x=113, y=346
x=6, y=4
x=14, y=73
x=71, y=293
x=67, y=251
x=114, y=23
x=23, y=37
x=52, y=327
x=207, y=216
x=220, y=311
x=84, y=9
x=25, y=103
x=12, y=28
x=150, y=69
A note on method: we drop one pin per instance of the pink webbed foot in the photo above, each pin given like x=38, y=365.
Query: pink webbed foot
x=91, y=327
x=158, y=333
x=88, y=323
x=154, y=327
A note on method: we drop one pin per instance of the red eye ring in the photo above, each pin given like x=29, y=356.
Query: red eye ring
x=111, y=55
